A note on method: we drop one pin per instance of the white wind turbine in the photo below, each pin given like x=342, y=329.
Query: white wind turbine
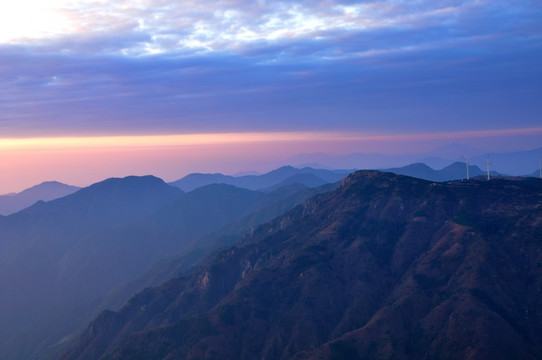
x=467, y=163
x=488, y=164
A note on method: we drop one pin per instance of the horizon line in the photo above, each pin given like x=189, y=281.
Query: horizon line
x=212, y=138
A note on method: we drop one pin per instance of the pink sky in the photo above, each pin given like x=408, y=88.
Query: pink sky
x=82, y=161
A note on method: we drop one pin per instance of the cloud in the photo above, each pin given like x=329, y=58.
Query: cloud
x=160, y=66
x=236, y=26
x=420, y=88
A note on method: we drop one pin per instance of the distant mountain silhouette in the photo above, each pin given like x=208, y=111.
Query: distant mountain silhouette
x=458, y=170
x=514, y=163
x=272, y=179
x=45, y=191
x=306, y=179
x=455, y=171
x=384, y=267
x=111, y=202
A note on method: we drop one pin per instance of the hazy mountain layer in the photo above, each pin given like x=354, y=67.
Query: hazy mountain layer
x=285, y=175
x=455, y=171
x=96, y=257
x=36, y=244
x=45, y=191
x=514, y=163
x=386, y=267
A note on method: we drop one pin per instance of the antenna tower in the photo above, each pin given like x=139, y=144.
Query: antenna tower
x=467, y=163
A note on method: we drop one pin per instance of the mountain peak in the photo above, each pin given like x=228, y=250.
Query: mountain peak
x=46, y=191
x=132, y=179
x=113, y=200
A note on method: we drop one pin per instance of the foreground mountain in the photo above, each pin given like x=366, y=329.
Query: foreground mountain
x=385, y=267
x=274, y=179
x=45, y=191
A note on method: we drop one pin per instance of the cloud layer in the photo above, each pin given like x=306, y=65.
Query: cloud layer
x=194, y=66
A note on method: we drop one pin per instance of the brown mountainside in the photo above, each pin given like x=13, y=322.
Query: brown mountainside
x=384, y=267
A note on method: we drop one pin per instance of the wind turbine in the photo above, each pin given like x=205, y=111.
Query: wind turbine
x=540, y=167
x=487, y=166
x=467, y=162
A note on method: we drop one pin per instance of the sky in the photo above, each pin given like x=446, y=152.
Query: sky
x=91, y=89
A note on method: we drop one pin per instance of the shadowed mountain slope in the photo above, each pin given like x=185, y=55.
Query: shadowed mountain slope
x=35, y=243
x=51, y=226
x=45, y=191
x=386, y=267
x=103, y=253
x=202, y=247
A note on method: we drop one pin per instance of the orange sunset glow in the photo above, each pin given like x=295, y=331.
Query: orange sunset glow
x=81, y=160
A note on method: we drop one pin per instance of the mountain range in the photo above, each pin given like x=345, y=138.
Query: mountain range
x=385, y=266
x=285, y=175
x=49, y=190
x=120, y=236
x=455, y=171
x=104, y=236
x=314, y=177
x=517, y=163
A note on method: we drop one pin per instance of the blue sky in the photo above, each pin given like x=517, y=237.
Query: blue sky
x=81, y=68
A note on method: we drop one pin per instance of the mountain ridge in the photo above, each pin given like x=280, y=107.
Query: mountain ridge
x=384, y=255
x=454, y=171
x=258, y=182
x=515, y=163
x=46, y=191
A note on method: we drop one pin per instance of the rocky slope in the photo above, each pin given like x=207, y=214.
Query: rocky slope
x=386, y=267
